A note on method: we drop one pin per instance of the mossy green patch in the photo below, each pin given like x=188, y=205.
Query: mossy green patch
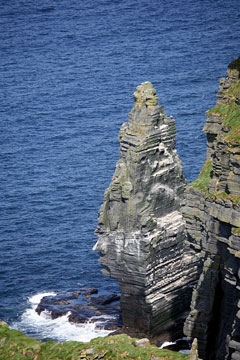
x=219, y=109
x=232, y=121
x=235, y=199
x=236, y=231
x=230, y=113
x=233, y=149
x=211, y=196
x=202, y=182
x=222, y=195
x=14, y=345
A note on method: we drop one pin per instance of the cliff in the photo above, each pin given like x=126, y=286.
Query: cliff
x=212, y=214
x=140, y=226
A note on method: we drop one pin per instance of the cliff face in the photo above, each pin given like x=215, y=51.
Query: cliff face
x=212, y=215
x=140, y=227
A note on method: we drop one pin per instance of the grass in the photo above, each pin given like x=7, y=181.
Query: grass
x=225, y=196
x=235, y=199
x=219, y=109
x=14, y=345
x=236, y=231
x=232, y=122
x=202, y=182
x=222, y=195
x=230, y=114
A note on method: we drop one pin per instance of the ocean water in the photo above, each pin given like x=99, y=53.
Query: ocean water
x=68, y=70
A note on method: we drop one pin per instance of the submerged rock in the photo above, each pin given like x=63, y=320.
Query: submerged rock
x=84, y=306
x=140, y=229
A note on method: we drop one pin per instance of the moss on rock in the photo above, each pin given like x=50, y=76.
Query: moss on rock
x=229, y=112
x=202, y=182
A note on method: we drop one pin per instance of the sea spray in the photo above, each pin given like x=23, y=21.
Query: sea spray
x=60, y=329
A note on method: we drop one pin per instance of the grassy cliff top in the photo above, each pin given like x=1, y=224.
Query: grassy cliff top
x=14, y=345
x=230, y=114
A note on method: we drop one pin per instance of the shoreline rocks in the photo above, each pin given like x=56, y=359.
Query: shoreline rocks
x=84, y=305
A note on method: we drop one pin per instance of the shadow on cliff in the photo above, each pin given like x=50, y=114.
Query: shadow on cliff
x=168, y=323
x=214, y=301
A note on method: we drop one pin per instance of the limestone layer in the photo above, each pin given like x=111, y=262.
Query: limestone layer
x=212, y=215
x=140, y=227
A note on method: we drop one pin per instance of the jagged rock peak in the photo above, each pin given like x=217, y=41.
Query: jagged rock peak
x=145, y=119
x=147, y=158
x=140, y=227
x=145, y=95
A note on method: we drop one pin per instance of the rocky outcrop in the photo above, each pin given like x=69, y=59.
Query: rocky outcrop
x=140, y=227
x=84, y=306
x=212, y=215
x=194, y=351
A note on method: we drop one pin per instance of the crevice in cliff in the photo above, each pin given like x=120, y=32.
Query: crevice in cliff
x=214, y=323
x=224, y=230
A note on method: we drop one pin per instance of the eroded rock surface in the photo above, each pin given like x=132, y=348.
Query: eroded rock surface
x=212, y=215
x=140, y=227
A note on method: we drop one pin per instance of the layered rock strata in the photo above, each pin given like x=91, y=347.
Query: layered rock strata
x=140, y=227
x=212, y=215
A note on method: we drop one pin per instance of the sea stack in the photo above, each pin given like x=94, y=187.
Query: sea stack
x=212, y=214
x=141, y=231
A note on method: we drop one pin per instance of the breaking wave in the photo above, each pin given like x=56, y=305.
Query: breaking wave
x=60, y=329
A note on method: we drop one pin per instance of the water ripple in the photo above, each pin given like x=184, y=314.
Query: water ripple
x=68, y=70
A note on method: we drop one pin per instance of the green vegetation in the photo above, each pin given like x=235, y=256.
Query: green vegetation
x=222, y=195
x=225, y=196
x=230, y=113
x=202, y=182
x=232, y=121
x=236, y=231
x=235, y=199
x=14, y=345
x=219, y=109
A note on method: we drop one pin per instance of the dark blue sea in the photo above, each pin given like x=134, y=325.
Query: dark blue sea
x=68, y=70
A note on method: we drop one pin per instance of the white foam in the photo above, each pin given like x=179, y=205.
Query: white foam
x=35, y=299
x=167, y=343
x=60, y=329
